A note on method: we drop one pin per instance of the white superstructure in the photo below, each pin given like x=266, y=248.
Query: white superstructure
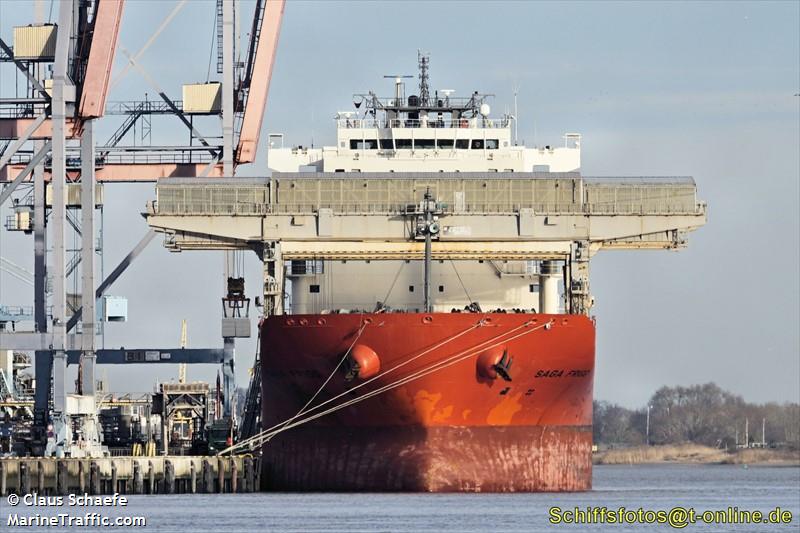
x=423, y=133
x=465, y=145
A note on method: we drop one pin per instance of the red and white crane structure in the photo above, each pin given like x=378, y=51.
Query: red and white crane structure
x=49, y=136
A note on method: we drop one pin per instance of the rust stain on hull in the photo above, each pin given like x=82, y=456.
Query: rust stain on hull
x=455, y=459
x=449, y=430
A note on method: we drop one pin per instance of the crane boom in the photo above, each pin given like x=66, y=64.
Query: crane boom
x=101, y=57
x=263, y=62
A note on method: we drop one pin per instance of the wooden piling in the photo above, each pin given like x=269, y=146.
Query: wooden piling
x=221, y=475
x=114, y=484
x=245, y=487
x=208, y=480
x=251, y=475
x=3, y=479
x=169, y=477
x=234, y=475
x=138, y=483
x=62, y=483
x=40, y=486
x=81, y=477
x=192, y=478
x=94, y=478
x=24, y=478
x=151, y=478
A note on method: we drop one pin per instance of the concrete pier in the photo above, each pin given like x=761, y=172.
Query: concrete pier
x=129, y=475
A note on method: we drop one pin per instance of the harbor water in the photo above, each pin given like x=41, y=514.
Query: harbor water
x=650, y=487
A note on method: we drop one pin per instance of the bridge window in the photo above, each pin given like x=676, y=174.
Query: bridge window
x=462, y=144
x=386, y=144
x=359, y=144
x=492, y=144
x=477, y=144
x=313, y=288
x=424, y=144
x=403, y=144
x=445, y=143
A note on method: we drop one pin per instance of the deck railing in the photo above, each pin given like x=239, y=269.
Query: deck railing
x=473, y=195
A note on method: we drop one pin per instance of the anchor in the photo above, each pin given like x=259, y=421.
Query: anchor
x=503, y=367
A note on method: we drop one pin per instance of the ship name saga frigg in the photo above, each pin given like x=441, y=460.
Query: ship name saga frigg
x=446, y=373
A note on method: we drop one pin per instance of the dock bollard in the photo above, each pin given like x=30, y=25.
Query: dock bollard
x=62, y=483
x=169, y=477
x=151, y=478
x=40, y=488
x=234, y=475
x=3, y=479
x=137, y=478
x=192, y=478
x=24, y=478
x=114, y=484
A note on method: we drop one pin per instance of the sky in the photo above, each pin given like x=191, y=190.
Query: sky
x=708, y=90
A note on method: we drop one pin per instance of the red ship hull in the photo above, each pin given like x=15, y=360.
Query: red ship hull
x=443, y=417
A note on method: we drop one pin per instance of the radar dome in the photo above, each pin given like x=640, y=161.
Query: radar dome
x=485, y=110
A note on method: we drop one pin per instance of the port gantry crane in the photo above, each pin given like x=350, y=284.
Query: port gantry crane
x=50, y=162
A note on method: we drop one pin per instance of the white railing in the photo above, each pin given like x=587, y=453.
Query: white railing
x=477, y=123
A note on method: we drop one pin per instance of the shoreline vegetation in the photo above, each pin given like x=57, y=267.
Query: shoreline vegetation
x=701, y=424
x=695, y=454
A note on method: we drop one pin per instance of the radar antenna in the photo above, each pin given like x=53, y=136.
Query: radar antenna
x=399, y=87
x=424, y=60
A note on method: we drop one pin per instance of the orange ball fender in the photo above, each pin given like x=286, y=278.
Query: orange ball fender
x=367, y=361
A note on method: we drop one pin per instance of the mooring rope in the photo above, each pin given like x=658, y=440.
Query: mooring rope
x=378, y=376
x=465, y=354
x=267, y=434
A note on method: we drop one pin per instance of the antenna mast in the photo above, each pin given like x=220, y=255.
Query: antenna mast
x=424, y=60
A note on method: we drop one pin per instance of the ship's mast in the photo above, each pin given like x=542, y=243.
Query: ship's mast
x=430, y=228
x=424, y=89
x=427, y=281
